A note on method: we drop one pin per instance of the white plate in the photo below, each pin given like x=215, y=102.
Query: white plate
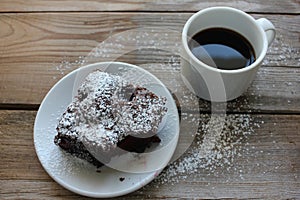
x=81, y=177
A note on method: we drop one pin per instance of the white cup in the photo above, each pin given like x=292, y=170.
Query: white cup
x=219, y=85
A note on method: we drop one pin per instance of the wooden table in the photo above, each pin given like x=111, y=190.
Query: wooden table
x=41, y=41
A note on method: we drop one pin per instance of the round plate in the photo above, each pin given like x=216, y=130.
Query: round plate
x=80, y=176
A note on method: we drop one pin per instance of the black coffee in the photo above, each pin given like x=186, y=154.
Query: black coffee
x=222, y=48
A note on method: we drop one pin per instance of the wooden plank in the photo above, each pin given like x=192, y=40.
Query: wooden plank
x=36, y=50
x=17, y=138
x=265, y=165
x=274, y=90
x=28, y=38
x=269, y=6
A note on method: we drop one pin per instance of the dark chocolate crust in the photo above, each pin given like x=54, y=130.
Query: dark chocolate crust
x=75, y=148
x=129, y=143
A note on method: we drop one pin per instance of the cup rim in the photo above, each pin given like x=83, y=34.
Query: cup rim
x=255, y=64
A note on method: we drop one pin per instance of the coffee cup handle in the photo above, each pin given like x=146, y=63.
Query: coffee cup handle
x=268, y=27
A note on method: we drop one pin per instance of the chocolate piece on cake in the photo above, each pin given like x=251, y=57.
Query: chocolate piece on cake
x=109, y=113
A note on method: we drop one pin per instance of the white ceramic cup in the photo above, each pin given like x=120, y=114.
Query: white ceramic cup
x=219, y=85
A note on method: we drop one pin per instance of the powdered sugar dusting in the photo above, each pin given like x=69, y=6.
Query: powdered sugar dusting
x=212, y=148
x=108, y=108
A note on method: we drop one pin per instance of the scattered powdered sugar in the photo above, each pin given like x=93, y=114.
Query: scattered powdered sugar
x=212, y=148
x=66, y=65
x=288, y=52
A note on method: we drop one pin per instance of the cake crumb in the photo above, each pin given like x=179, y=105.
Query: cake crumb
x=122, y=179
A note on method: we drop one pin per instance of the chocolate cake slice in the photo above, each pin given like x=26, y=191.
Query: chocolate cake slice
x=107, y=115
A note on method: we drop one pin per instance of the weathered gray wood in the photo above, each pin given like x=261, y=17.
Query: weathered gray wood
x=33, y=47
x=274, y=90
x=268, y=165
x=269, y=6
x=39, y=38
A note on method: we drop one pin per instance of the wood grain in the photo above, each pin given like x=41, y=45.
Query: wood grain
x=268, y=169
x=46, y=37
x=36, y=48
x=267, y=94
x=269, y=6
x=41, y=41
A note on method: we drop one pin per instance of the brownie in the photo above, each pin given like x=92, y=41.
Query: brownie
x=109, y=114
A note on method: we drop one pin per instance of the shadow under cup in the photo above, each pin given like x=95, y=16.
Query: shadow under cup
x=211, y=83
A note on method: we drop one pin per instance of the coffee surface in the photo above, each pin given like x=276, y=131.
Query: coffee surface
x=222, y=48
